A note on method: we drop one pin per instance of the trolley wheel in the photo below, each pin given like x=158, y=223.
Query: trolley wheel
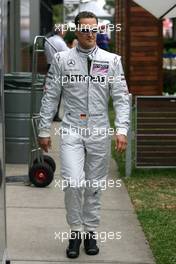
x=41, y=175
x=49, y=161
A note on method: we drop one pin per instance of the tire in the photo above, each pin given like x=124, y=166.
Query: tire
x=49, y=161
x=41, y=175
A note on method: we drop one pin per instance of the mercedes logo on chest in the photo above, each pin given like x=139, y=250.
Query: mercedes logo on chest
x=71, y=62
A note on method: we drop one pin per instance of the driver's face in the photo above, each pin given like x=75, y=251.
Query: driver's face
x=87, y=37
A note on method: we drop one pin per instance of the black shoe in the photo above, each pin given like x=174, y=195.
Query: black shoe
x=74, y=244
x=90, y=244
x=57, y=119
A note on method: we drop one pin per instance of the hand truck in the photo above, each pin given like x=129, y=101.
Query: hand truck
x=41, y=167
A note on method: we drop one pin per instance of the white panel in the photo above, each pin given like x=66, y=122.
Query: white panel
x=171, y=14
x=156, y=7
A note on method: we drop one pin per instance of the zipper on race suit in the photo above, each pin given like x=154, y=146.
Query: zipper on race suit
x=89, y=62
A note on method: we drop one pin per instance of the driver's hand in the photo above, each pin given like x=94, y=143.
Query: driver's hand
x=44, y=143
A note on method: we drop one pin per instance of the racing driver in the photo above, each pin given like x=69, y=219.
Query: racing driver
x=87, y=76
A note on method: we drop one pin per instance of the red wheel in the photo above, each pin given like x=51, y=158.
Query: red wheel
x=49, y=161
x=41, y=175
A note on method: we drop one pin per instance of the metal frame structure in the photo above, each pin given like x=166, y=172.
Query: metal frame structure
x=3, y=228
x=34, y=149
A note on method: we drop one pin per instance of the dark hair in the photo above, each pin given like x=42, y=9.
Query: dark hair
x=85, y=14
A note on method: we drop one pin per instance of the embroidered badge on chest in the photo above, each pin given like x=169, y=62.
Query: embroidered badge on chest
x=100, y=68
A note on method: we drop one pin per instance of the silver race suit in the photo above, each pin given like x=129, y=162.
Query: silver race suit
x=86, y=79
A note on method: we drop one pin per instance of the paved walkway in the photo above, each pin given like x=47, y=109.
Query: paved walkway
x=34, y=215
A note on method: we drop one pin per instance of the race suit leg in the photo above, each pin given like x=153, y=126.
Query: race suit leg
x=72, y=155
x=96, y=171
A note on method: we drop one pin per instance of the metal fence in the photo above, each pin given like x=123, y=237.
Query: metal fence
x=155, y=132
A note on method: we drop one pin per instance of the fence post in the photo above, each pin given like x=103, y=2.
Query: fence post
x=128, y=154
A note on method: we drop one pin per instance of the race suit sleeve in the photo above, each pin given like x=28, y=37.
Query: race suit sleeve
x=48, y=53
x=50, y=98
x=120, y=96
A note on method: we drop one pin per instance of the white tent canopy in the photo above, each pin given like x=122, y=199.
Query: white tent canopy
x=92, y=6
x=159, y=7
